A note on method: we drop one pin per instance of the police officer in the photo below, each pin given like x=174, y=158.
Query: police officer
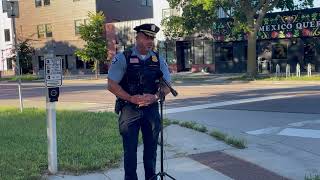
x=134, y=79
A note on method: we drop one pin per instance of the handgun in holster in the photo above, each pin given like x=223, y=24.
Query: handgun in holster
x=119, y=105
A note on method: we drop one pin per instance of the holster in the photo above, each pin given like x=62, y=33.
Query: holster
x=119, y=105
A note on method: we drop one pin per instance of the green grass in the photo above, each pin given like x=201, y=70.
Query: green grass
x=219, y=135
x=236, y=142
x=194, y=126
x=233, y=141
x=312, y=177
x=86, y=142
x=27, y=77
x=273, y=78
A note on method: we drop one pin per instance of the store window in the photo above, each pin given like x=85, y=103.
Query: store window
x=279, y=51
x=226, y=53
x=79, y=63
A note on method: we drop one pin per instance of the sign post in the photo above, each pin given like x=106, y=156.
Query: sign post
x=53, y=77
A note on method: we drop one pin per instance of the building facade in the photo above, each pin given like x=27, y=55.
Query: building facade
x=55, y=24
x=6, y=63
x=291, y=37
x=121, y=35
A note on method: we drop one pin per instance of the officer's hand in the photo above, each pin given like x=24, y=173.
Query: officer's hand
x=148, y=99
x=137, y=99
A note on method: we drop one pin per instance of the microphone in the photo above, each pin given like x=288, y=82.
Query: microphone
x=173, y=92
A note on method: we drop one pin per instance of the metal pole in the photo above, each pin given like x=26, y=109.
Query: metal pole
x=51, y=128
x=2, y=59
x=13, y=22
x=52, y=136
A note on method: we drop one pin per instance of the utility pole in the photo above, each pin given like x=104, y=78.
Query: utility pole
x=12, y=9
x=2, y=59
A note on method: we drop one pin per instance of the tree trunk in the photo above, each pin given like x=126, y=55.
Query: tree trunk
x=252, y=56
x=97, y=68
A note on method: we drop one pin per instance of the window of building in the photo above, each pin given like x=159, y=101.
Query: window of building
x=227, y=53
x=41, y=62
x=279, y=51
x=38, y=3
x=90, y=64
x=222, y=14
x=309, y=49
x=44, y=30
x=65, y=64
x=46, y=2
x=48, y=30
x=146, y=2
x=86, y=21
x=77, y=24
x=9, y=63
x=7, y=35
x=79, y=63
x=169, y=12
x=41, y=31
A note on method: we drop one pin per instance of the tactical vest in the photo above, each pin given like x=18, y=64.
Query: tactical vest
x=142, y=76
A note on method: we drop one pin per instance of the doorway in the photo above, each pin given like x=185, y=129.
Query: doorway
x=183, y=55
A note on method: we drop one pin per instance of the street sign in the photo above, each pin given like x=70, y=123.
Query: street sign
x=53, y=71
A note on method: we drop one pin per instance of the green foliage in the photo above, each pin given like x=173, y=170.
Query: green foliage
x=93, y=34
x=26, y=77
x=86, y=141
x=173, y=27
x=25, y=51
x=196, y=18
x=218, y=135
x=238, y=143
x=200, y=14
x=274, y=78
x=312, y=177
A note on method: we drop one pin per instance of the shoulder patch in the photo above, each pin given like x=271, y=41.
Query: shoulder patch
x=114, y=60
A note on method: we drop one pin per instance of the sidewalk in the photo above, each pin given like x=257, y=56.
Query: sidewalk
x=184, y=149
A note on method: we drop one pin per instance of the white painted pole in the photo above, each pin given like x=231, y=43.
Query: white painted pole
x=51, y=128
x=13, y=22
x=52, y=137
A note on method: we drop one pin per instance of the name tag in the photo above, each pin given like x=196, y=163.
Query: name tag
x=134, y=60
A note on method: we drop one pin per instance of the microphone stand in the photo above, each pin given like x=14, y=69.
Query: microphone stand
x=161, y=99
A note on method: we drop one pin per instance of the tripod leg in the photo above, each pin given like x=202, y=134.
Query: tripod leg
x=166, y=174
x=154, y=177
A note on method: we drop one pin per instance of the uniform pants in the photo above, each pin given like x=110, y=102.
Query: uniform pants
x=130, y=121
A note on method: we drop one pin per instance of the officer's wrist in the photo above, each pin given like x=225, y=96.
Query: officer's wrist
x=156, y=97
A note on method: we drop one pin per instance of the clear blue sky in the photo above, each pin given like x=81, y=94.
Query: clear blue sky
x=316, y=3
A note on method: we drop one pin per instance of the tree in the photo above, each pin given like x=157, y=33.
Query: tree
x=92, y=33
x=25, y=51
x=247, y=16
x=195, y=19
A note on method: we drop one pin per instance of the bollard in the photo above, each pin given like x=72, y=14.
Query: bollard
x=278, y=70
x=309, y=70
x=298, y=70
x=287, y=70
